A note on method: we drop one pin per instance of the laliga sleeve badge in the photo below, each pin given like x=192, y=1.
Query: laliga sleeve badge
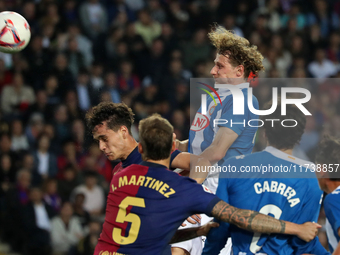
x=206, y=189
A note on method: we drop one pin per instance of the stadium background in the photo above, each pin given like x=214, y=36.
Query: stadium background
x=142, y=53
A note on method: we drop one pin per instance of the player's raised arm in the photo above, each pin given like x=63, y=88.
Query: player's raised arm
x=257, y=222
x=225, y=137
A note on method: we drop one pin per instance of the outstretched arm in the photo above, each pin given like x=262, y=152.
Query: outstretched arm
x=257, y=222
x=190, y=233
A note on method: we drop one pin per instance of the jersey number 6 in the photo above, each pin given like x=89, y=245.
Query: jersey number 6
x=130, y=217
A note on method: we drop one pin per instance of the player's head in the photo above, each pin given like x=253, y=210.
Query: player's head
x=284, y=136
x=155, y=138
x=110, y=124
x=235, y=58
x=328, y=160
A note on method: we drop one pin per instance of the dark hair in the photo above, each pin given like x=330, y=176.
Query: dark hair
x=155, y=136
x=279, y=136
x=329, y=153
x=114, y=114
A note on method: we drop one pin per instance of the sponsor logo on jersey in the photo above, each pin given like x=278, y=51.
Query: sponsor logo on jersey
x=200, y=122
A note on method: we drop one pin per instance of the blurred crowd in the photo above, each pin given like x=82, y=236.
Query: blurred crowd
x=53, y=178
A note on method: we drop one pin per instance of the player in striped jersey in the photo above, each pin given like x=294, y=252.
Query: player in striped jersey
x=235, y=61
x=328, y=160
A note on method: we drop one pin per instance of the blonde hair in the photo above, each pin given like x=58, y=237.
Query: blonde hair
x=238, y=50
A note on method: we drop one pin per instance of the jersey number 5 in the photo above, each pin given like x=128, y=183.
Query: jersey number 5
x=130, y=217
x=267, y=209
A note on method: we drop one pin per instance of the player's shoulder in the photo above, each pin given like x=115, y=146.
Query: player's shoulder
x=333, y=198
x=132, y=169
x=246, y=158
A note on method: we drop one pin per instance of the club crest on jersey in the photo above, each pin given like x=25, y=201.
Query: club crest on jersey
x=200, y=122
x=212, y=109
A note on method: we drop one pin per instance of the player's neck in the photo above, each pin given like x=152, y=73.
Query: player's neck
x=332, y=185
x=164, y=162
x=287, y=151
x=132, y=144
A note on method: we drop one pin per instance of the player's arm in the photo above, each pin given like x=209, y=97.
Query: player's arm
x=337, y=250
x=182, y=145
x=224, y=138
x=257, y=222
x=190, y=233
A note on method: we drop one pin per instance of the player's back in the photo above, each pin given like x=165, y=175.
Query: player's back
x=146, y=205
x=291, y=199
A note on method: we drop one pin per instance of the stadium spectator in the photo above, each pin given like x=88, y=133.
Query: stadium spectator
x=63, y=74
x=83, y=43
x=76, y=59
x=79, y=211
x=93, y=18
x=67, y=183
x=321, y=67
x=45, y=160
x=51, y=196
x=111, y=85
x=16, y=98
x=19, y=139
x=94, y=194
x=37, y=221
x=66, y=230
x=5, y=148
x=128, y=81
x=147, y=28
x=7, y=173
x=87, y=245
x=78, y=136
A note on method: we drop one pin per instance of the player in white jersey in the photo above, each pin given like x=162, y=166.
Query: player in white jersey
x=235, y=61
x=328, y=172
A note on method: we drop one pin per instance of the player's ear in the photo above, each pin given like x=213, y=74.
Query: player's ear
x=240, y=71
x=140, y=148
x=173, y=147
x=124, y=131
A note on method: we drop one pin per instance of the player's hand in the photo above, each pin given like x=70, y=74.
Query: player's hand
x=193, y=219
x=204, y=230
x=308, y=231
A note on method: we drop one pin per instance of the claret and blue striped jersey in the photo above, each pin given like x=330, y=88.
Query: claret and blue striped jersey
x=146, y=204
x=332, y=210
x=291, y=199
x=202, y=131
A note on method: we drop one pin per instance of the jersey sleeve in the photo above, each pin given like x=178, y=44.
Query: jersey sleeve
x=237, y=123
x=173, y=155
x=311, y=210
x=197, y=199
x=332, y=210
x=217, y=237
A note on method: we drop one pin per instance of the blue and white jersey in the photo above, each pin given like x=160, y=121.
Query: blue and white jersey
x=289, y=199
x=203, y=132
x=332, y=210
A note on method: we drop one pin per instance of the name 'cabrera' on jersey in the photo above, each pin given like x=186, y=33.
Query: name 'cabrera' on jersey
x=202, y=131
x=284, y=197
